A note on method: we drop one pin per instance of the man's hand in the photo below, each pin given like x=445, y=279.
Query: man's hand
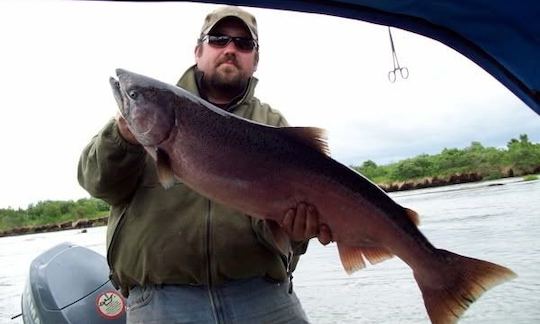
x=124, y=130
x=302, y=223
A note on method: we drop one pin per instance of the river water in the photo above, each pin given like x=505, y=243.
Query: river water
x=498, y=221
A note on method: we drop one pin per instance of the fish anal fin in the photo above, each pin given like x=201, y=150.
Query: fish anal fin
x=413, y=216
x=311, y=136
x=376, y=254
x=455, y=283
x=164, y=170
x=351, y=258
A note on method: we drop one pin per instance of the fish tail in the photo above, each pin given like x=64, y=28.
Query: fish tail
x=462, y=281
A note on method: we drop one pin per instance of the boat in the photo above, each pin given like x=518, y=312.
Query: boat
x=70, y=284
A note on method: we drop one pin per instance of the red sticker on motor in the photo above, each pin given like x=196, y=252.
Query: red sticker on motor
x=110, y=304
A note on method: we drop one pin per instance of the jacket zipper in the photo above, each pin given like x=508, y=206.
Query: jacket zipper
x=209, y=243
x=213, y=299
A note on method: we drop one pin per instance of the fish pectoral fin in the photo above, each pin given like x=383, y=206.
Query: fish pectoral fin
x=164, y=170
x=352, y=257
x=311, y=136
x=151, y=151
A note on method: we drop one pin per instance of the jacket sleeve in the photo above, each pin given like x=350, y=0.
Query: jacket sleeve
x=110, y=167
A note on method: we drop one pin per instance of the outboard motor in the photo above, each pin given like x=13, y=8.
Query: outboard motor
x=70, y=284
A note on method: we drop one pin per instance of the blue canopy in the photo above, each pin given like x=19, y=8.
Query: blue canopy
x=501, y=36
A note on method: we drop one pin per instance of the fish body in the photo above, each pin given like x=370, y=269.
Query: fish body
x=264, y=171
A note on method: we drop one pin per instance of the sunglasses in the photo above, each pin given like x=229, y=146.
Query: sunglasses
x=241, y=43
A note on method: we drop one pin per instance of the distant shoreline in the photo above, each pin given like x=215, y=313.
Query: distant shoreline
x=75, y=224
x=431, y=182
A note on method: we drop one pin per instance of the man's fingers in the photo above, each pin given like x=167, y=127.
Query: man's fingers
x=288, y=220
x=325, y=235
x=302, y=223
x=299, y=226
x=312, y=222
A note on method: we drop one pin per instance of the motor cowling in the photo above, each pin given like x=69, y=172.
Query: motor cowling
x=70, y=284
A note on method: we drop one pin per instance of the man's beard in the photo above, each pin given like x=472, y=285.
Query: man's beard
x=230, y=84
x=226, y=84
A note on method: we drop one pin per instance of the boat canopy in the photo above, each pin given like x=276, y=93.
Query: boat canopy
x=501, y=36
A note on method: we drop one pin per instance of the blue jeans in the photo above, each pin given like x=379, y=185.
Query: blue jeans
x=242, y=301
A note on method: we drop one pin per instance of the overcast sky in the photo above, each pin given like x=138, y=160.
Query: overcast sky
x=56, y=58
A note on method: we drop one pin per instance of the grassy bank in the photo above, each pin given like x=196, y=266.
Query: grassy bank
x=474, y=163
x=53, y=215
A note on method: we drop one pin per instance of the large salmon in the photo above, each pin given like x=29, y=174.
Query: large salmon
x=264, y=171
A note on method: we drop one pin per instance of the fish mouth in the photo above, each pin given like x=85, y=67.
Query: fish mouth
x=117, y=93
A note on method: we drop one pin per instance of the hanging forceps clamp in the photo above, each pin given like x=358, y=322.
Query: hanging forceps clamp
x=403, y=71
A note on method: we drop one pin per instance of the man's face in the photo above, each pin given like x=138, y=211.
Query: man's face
x=227, y=68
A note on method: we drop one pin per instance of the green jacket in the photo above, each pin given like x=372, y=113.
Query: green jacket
x=176, y=236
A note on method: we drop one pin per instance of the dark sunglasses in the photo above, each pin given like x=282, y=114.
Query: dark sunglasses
x=241, y=43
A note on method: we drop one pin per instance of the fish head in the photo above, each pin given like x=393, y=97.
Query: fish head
x=146, y=104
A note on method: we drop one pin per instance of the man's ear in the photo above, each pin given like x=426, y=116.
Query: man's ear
x=197, y=51
x=256, y=61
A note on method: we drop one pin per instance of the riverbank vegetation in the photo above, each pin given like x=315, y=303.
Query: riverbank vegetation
x=52, y=215
x=520, y=157
x=473, y=163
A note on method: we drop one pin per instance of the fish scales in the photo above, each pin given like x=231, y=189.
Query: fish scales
x=270, y=142
x=263, y=147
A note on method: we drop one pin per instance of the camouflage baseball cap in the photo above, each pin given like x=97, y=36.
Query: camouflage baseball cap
x=230, y=11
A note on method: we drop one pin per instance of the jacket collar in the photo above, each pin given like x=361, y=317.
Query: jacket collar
x=191, y=80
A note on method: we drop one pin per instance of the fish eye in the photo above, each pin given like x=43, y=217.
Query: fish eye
x=133, y=94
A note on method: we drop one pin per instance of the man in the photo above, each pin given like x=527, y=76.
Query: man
x=176, y=255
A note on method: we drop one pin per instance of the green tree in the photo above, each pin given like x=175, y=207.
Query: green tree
x=371, y=170
x=418, y=167
x=50, y=212
x=522, y=154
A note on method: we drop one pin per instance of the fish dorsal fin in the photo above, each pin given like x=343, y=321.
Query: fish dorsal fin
x=164, y=169
x=413, y=216
x=311, y=136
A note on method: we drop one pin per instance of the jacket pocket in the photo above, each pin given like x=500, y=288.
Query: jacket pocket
x=140, y=296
